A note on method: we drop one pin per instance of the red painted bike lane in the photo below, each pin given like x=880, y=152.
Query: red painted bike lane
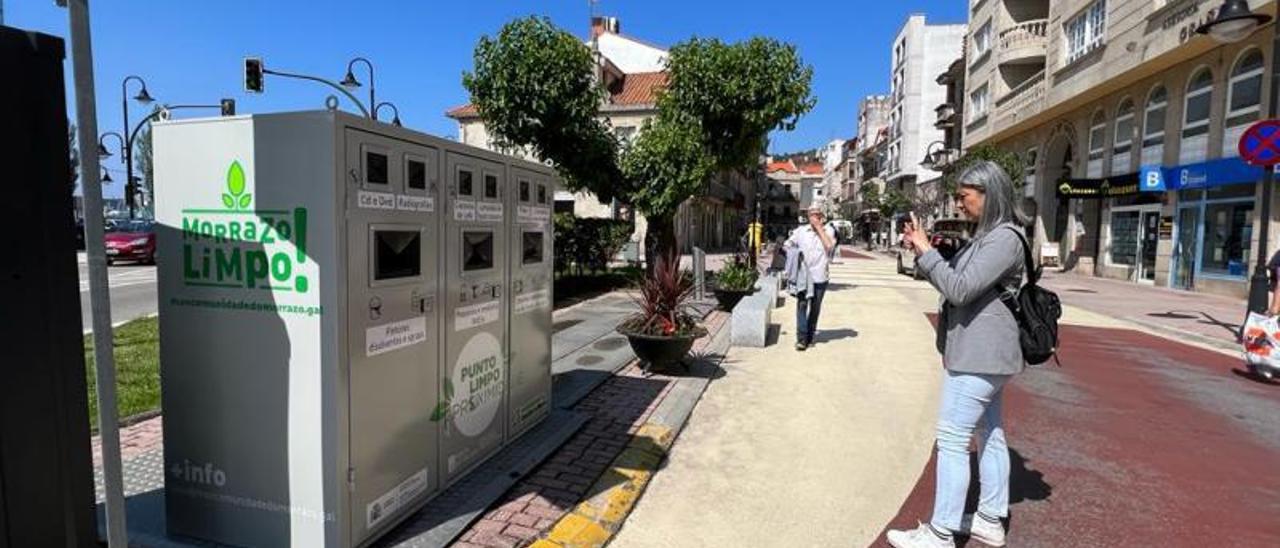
x=1135, y=441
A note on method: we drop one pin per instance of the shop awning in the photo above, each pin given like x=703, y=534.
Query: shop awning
x=1097, y=189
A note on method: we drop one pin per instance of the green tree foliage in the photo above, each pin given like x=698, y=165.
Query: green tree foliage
x=142, y=157
x=870, y=197
x=587, y=245
x=534, y=86
x=737, y=94
x=894, y=202
x=1010, y=162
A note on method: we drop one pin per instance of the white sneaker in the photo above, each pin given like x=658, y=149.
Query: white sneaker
x=920, y=537
x=981, y=530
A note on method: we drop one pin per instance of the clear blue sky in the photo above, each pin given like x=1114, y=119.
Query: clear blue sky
x=191, y=51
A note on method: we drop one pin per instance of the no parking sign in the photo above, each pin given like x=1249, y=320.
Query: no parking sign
x=1260, y=144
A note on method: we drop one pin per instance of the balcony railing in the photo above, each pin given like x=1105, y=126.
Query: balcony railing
x=1022, y=102
x=1024, y=41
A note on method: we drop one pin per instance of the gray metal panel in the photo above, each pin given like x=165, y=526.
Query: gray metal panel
x=531, y=266
x=474, y=372
x=394, y=365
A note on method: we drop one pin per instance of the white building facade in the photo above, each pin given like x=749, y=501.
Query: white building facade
x=920, y=53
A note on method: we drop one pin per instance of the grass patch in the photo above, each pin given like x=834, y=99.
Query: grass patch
x=137, y=352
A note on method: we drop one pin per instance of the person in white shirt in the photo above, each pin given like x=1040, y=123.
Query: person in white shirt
x=815, y=242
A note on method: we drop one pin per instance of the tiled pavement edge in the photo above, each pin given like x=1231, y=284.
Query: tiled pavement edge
x=580, y=495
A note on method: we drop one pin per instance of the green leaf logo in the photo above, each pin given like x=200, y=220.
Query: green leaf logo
x=235, y=198
x=442, y=408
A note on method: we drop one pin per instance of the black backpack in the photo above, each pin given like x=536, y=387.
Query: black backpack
x=1037, y=311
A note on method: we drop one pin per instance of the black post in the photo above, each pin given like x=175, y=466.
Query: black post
x=1259, y=284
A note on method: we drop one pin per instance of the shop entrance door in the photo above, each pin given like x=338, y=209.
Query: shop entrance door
x=1184, y=249
x=1147, y=247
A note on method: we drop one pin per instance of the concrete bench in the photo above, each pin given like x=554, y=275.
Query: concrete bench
x=749, y=321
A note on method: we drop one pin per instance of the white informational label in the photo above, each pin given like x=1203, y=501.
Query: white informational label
x=415, y=203
x=464, y=210
x=376, y=200
x=476, y=315
x=489, y=212
x=391, y=336
x=395, y=499
x=531, y=301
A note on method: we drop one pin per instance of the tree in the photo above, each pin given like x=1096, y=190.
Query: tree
x=1010, y=162
x=142, y=157
x=534, y=86
x=870, y=194
x=894, y=202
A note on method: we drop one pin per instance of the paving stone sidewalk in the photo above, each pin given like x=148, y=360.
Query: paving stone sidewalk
x=618, y=408
x=1205, y=318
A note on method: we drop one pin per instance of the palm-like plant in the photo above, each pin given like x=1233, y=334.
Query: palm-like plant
x=664, y=303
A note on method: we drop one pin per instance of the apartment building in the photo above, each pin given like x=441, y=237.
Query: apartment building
x=1129, y=124
x=869, y=149
x=920, y=53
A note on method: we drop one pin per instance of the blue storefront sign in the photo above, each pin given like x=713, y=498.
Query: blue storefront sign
x=1213, y=173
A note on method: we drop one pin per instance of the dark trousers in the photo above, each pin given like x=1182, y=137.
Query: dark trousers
x=807, y=313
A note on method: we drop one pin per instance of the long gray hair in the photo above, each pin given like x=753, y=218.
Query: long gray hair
x=1000, y=206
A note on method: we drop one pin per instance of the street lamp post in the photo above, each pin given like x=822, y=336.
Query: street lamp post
x=395, y=112
x=126, y=144
x=144, y=98
x=1232, y=23
x=350, y=81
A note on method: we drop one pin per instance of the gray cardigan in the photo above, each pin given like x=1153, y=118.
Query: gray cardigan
x=981, y=334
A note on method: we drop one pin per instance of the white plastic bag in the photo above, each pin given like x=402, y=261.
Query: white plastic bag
x=1262, y=340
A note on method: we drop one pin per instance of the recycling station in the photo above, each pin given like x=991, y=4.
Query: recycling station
x=353, y=316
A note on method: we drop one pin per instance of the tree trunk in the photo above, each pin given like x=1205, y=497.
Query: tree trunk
x=659, y=241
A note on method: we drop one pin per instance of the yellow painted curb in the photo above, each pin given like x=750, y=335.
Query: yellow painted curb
x=593, y=522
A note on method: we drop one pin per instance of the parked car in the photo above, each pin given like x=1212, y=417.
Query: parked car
x=946, y=235
x=131, y=240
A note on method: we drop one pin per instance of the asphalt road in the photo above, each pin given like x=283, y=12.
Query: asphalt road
x=132, y=288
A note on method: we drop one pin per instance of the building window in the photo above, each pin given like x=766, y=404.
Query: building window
x=978, y=103
x=1153, y=120
x=982, y=40
x=1195, y=119
x=1124, y=237
x=1244, y=98
x=1122, y=139
x=1086, y=31
x=1097, y=145
x=1199, y=91
x=1228, y=230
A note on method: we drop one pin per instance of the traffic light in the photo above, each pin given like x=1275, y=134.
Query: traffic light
x=228, y=107
x=253, y=75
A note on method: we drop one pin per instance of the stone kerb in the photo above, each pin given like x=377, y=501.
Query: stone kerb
x=749, y=322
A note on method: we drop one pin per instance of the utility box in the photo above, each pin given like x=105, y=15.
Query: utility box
x=335, y=323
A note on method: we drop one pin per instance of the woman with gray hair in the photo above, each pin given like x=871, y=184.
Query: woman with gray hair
x=977, y=335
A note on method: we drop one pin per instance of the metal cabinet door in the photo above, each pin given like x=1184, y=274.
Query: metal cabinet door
x=392, y=280
x=473, y=375
x=531, y=297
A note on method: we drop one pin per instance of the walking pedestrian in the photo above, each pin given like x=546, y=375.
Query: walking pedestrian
x=809, y=252
x=978, y=338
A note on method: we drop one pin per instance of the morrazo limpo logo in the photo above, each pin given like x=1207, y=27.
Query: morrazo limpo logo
x=232, y=246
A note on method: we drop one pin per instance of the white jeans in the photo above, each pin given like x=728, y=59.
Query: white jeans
x=968, y=399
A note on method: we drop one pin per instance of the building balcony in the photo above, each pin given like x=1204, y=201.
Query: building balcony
x=1024, y=43
x=946, y=116
x=1022, y=102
